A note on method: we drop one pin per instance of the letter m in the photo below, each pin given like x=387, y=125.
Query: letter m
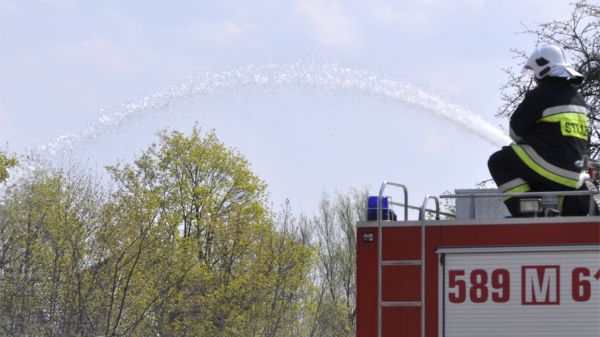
x=540, y=285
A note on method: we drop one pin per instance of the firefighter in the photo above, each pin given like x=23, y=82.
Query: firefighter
x=550, y=133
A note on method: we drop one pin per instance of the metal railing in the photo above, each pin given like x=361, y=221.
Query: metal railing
x=423, y=253
x=473, y=196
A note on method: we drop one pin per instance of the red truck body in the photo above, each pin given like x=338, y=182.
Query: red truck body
x=482, y=286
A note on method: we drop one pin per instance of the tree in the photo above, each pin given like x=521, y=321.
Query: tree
x=237, y=273
x=48, y=226
x=6, y=162
x=182, y=245
x=292, y=308
x=579, y=35
x=335, y=227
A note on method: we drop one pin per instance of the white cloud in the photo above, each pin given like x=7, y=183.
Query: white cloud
x=96, y=52
x=9, y=7
x=384, y=13
x=431, y=140
x=58, y=3
x=447, y=86
x=476, y=5
x=127, y=24
x=559, y=10
x=388, y=15
x=213, y=30
x=5, y=125
x=332, y=25
x=233, y=28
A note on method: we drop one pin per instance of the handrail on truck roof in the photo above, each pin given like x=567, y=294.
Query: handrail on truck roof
x=472, y=197
x=406, y=205
x=422, y=218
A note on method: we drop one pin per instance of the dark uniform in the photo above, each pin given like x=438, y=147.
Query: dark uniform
x=550, y=128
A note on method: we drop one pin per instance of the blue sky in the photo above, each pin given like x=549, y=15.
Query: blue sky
x=65, y=63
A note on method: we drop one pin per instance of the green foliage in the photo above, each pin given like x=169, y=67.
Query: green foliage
x=6, y=162
x=205, y=205
x=48, y=224
x=183, y=246
x=336, y=268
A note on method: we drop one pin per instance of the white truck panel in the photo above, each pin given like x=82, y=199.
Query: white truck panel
x=553, y=292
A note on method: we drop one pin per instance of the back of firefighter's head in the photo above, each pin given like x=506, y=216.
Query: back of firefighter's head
x=550, y=61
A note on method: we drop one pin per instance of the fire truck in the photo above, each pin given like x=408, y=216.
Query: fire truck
x=475, y=272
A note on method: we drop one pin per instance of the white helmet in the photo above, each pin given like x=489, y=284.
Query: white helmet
x=550, y=60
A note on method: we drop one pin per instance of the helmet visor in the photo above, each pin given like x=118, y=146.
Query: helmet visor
x=527, y=70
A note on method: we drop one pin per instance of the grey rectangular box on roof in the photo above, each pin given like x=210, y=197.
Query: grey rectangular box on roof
x=484, y=207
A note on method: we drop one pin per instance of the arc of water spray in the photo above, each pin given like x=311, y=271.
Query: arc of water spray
x=306, y=74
